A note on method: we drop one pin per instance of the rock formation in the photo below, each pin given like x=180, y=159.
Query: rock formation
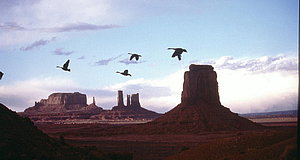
x=135, y=100
x=120, y=98
x=75, y=98
x=69, y=107
x=200, y=83
x=200, y=109
x=132, y=110
x=61, y=106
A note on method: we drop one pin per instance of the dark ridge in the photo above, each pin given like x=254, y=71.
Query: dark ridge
x=21, y=140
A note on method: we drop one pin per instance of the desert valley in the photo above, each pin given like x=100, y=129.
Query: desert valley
x=64, y=126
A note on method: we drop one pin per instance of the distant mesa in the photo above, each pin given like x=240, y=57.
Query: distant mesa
x=73, y=107
x=61, y=107
x=62, y=103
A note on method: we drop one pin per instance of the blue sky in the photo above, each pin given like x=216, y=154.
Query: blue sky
x=257, y=39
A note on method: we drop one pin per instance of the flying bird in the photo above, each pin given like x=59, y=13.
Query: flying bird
x=1, y=75
x=125, y=73
x=178, y=52
x=65, y=66
x=136, y=56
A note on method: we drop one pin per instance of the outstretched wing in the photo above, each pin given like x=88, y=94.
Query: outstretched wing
x=179, y=57
x=1, y=74
x=126, y=71
x=66, y=65
x=137, y=57
x=132, y=56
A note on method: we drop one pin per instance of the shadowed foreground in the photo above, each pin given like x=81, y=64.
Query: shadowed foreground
x=20, y=139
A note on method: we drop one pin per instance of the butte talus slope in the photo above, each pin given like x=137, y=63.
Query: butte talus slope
x=200, y=109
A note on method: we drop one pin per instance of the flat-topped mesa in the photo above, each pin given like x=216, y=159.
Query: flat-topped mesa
x=75, y=98
x=200, y=83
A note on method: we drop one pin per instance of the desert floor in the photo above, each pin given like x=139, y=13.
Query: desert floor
x=210, y=145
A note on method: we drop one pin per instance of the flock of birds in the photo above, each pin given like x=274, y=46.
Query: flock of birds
x=177, y=52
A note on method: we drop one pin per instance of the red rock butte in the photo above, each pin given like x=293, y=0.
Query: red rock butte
x=200, y=109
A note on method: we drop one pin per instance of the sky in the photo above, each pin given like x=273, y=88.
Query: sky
x=252, y=45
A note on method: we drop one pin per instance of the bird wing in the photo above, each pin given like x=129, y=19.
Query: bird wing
x=66, y=65
x=176, y=53
x=137, y=57
x=131, y=57
x=179, y=57
x=1, y=74
x=126, y=71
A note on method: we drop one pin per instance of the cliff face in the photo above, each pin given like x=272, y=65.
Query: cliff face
x=75, y=98
x=200, y=83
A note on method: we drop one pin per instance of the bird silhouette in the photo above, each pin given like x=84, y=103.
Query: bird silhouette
x=125, y=73
x=1, y=75
x=136, y=56
x=65, y=66
x=178, y=52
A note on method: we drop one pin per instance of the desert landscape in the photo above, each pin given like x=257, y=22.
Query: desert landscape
x=149, y=80
x=198, y=128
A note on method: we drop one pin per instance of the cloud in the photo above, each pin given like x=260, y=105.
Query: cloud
x=81, y=57
x=44, y=18
x=22, y=94
x=104, y=62
x=11, y=26
x=127, y=62
x=59, y=51
x=80, y=27
x=261, y=64
x=36, y=44
x=261, y=84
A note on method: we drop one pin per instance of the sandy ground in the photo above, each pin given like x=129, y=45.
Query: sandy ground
x=151, y=147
